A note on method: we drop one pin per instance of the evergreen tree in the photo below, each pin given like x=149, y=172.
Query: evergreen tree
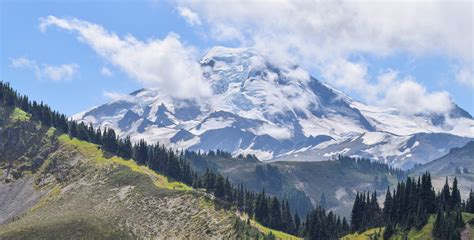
x=470, y=203
x=456, y=195
x=445, y=195
x=388, y=204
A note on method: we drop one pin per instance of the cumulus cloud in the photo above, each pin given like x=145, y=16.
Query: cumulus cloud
x=348, y=76
x=388, y=89
x=410, y=97
x=323, y=35
x=164, y=63
x=63, y=72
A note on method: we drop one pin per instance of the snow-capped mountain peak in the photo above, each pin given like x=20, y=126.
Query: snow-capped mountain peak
x=261, y=108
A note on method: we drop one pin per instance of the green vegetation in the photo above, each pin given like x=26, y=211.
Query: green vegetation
x=366, y=235
x=267, y=231
x=92, y=151
x=422, y=234
x=19, y=115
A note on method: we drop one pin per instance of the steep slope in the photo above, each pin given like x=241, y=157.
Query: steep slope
x=275, y=110
x=54, y=186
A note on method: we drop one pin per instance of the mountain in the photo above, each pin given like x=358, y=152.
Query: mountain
x=458, y=161
x=277, y=111
x=399, y=151
x=56, y=187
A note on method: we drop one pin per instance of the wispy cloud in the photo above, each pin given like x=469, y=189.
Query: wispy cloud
x=465, y=75
x=106, y=72
x=191, y=17
x=115, y=96
x=165, y=63
x=63, y=72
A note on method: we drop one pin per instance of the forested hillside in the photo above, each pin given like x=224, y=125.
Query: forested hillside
x=332, y=184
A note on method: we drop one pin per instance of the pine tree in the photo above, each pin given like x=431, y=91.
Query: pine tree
x=388, y=204
x=456, y=195
x=470, y=203
x=274, y=214
x=219, y=187
x=445, y=194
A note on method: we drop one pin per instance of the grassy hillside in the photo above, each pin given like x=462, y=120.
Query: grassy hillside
x=53, y=186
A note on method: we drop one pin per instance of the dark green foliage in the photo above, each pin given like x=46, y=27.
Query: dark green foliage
x=366, y=212
x=270, y=236
x=409, y=206
x=447, y=225
x=469, y=205
x=367, y=164
x=389, y=231
x=456, y=195
x=322, y=225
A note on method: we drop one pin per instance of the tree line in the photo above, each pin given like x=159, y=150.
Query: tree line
x=410, y=205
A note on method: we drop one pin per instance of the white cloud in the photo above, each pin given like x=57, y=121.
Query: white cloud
x=106, y=72
x=22, y=62
x=61, y=72
x=348, y=76
x=165, y=63
x=465, y=75
x=388, y=89
x=324, y=35
x=274, y=131
x=191, y=17
x=56, y=73
x=410, y=97
x=313, y=28
x=114, y=96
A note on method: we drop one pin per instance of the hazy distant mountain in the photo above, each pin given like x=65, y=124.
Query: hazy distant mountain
x=459, y=161
x=280, y=112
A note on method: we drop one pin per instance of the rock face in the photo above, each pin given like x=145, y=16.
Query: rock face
x=279, y=111
x=77, y=192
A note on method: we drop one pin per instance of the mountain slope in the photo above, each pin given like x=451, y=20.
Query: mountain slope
x=398, y=151
x=461, y=158
x=304, y=183
x=459, y=163
x=54, y=186
x=274, y=110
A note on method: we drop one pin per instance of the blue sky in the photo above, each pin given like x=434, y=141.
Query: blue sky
x=71, y=72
